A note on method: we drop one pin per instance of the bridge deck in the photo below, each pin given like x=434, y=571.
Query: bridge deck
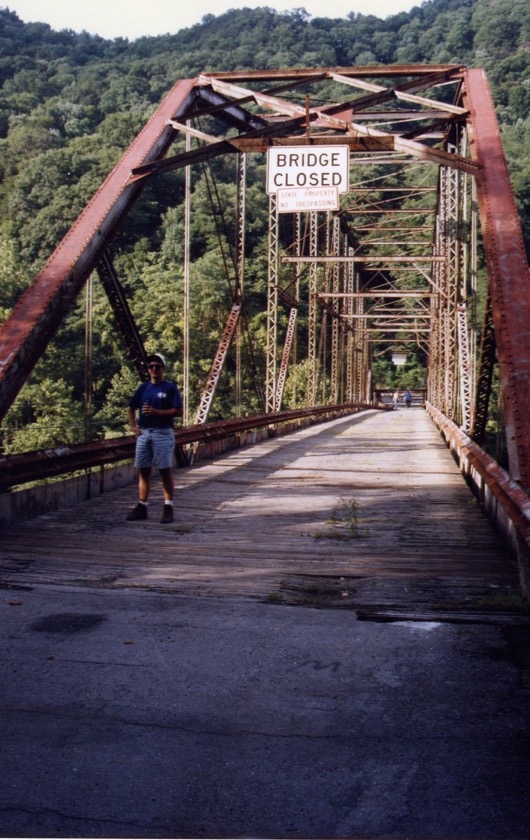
x=370, y=510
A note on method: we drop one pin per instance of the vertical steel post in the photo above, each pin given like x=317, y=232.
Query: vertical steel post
x=240, y=265
x=284, y=365
x=186, y=301
x=313, y=312
x=452, y=178
x=272, y=308
x=464, y=367
x=217, y=364
x=436, y=362
x=461, y=246
x=89, y=333
x=335, y=321
x=349, y=288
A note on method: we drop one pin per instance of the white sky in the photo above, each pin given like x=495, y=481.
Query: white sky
x=134, y=18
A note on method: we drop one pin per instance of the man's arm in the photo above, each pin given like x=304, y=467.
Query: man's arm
x=131, y=417
x=161, y=412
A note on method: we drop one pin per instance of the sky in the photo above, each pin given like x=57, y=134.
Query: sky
x=135, y=18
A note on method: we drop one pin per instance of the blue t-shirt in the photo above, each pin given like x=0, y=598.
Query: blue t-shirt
x=161, y=395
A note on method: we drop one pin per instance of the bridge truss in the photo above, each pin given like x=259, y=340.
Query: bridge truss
x=397, y=265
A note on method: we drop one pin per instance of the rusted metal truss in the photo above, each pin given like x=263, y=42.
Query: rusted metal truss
x=424, y=147
x=218, y=362
x=486, y=365
x=124, y=318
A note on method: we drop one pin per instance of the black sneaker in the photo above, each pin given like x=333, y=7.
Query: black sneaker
x=138, y=512
x=167, y=514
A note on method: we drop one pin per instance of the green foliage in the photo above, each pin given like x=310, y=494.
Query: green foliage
x=12, y=279
x=413, y=374
x=43, y=415
x=112, y=416
x=295, y=391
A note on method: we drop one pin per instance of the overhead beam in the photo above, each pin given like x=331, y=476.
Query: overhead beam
x=377, y=293
x=438, y=72
x=364, y=259
x=392, y=330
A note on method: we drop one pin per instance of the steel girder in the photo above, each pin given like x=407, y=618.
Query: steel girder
x=240, y=266
x=124, y=318
x=218, y=363
x=485, y=379
x=508, y=276
x=272, y=308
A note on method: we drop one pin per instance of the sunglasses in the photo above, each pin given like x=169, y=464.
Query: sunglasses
x=154, y=367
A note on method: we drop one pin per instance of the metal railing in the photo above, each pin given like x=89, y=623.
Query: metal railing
x=504, y=501
x=67, y=459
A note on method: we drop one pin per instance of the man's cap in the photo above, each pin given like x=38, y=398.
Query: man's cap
x=156, y=357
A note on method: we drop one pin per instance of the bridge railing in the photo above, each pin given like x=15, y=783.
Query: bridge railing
x=504, y=501
x=19, y=469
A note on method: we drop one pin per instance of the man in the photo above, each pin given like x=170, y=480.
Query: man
x=158, y=402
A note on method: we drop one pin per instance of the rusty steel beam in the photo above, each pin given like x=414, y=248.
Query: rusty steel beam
x=39, y=312
x=382, y=229
x=380, y=293
x=437, y=71
x=485, y=376
x=411, y=191
x=218, y=363
x=124, y=319
x=364, y=259
x=410, y=316
x=379, y=93
x=259, y=139
x=361, y=139
x=393, y=341
x=508, y=276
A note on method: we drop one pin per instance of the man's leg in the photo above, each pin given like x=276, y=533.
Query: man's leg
x=144, y=483
x=166, y=476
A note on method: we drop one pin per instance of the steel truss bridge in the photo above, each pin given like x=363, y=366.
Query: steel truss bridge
x=424, y=252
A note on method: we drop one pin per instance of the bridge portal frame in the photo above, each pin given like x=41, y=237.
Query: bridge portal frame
x=261, y=118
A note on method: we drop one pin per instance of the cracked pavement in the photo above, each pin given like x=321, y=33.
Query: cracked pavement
x=137, y=714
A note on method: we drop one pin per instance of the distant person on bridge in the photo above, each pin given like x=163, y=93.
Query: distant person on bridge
x=158, y=402
x=407, y=398
x=395, y=400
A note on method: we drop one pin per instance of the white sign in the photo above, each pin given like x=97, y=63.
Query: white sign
x=303, y=200
x=307, y=167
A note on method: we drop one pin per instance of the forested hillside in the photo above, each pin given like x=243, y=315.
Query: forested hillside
x=70, y=103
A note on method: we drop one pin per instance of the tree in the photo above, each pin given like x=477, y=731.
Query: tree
x=42, y=416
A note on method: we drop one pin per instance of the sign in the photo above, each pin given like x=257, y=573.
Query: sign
x=307, y=167
x=302, y=200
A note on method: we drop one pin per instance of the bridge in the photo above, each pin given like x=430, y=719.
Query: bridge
x=366, y=511
x=380, y=259
x=330, y=625
x=185, y=680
